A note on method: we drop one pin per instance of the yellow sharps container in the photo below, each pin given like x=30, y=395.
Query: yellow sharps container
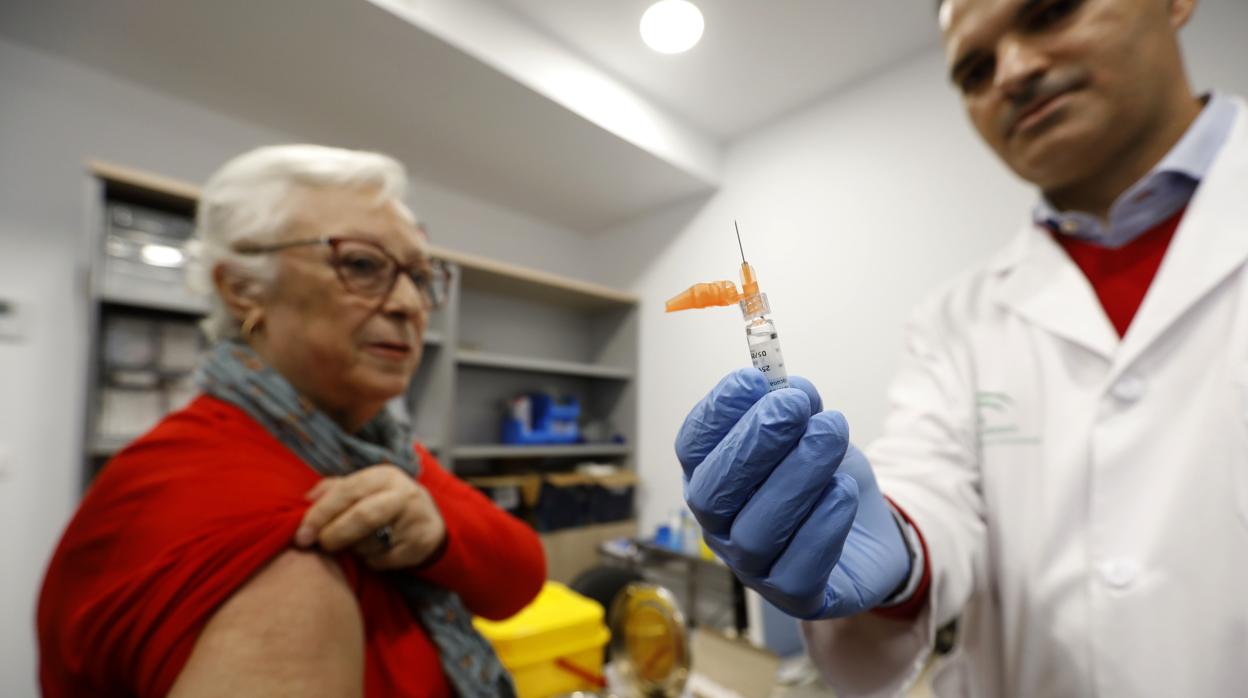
x=554, y=645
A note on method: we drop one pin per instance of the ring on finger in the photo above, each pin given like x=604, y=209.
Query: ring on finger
x=385, y=536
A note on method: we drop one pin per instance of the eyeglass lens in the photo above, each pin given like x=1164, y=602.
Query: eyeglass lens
x=367, y=270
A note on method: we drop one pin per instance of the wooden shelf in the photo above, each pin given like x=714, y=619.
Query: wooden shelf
x=541, y=451
x=145, y=181
x=512, y=280
x=489, y=274
x=482, y=359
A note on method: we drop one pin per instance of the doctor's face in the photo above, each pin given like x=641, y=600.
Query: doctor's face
x=1064, y=89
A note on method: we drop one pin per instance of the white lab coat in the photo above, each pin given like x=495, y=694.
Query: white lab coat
x=1084, y=499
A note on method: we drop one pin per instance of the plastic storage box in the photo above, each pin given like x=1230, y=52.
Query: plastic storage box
x=554, y=645
x=540, y=419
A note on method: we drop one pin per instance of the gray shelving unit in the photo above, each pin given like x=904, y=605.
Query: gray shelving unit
x=142, y=335
x=506, y=330
x=511, y=330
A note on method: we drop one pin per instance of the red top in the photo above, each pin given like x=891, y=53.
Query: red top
x=1122, y=276
x=184, y=516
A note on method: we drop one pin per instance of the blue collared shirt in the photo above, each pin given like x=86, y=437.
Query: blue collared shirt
x=1167, y=188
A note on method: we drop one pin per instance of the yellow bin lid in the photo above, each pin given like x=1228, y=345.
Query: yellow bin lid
x=559, y=622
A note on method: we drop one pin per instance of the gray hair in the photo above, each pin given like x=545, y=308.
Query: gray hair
x=248, y=200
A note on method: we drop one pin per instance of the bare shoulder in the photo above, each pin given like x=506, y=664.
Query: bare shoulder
x=294, y=629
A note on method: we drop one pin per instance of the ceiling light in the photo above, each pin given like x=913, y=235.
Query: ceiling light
x=672, y=26
x=162, y=255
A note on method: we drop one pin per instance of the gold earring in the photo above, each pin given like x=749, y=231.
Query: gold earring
x=250, y=323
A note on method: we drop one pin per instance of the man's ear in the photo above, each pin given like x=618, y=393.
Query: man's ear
x=240, y=294
x=1180, y=12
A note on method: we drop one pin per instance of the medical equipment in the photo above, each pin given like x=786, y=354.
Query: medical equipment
x=760, y=331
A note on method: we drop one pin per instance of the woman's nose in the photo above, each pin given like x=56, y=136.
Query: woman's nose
x=405, y=298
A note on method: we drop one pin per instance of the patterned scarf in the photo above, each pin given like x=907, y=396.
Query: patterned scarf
x=234, y=373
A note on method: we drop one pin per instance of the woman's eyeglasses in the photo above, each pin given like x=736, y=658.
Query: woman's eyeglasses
x=366, y=269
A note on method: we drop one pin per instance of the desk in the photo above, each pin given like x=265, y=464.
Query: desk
x=641, y=553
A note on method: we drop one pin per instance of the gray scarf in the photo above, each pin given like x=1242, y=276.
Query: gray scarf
x=234, y=373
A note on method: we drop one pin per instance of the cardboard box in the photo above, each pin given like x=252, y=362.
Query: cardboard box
x=574, y=550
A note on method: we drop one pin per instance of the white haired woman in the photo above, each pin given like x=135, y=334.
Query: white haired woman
x=280, y=535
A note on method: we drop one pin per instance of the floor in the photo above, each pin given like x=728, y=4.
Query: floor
x=817, y=689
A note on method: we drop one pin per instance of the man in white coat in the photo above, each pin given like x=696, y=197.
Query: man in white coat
x=1066, y=457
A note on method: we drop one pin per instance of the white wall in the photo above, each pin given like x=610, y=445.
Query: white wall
x=851, y=211
x=53, y=115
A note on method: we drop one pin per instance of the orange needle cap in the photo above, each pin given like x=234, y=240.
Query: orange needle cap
x=715, y=293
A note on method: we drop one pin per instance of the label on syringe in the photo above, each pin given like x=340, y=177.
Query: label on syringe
x=767, y=358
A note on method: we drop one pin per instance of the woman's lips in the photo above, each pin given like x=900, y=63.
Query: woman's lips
x=388, y=350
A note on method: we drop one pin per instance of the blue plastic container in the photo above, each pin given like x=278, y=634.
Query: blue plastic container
x=552, y=421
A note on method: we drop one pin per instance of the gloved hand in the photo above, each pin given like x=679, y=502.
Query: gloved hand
x=786, y=501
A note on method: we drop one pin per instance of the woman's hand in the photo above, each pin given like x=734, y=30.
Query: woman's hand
x=348, y=512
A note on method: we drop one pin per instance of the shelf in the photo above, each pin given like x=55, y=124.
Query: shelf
x=106, y=446
x=540, y=286
x=183, y=306
x=482, y=359
x=541, y=450
x=144, y=181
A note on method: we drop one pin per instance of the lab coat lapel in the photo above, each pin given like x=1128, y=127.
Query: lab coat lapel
x=1044, y=286
x=1209, y=245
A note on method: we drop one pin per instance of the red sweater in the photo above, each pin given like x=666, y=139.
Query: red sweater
x=184, y=516
x=1121, y=277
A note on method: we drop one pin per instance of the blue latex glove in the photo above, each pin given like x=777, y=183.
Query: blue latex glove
x=786, y=501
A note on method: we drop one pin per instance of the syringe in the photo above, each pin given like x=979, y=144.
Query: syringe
x=760, y=331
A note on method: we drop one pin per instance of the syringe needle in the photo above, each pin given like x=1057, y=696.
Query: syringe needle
x=739, y=246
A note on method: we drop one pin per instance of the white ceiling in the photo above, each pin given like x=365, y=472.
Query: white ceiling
x=758, y=59
x=551, y=107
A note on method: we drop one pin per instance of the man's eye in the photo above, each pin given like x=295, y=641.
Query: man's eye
x=975, y=76
x=1052, y=13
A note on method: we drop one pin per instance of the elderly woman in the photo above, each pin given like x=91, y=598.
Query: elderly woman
x=280, y=536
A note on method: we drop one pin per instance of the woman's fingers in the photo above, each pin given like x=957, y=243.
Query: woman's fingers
x=361, y=520
x=349, y=512
x=333, y=496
